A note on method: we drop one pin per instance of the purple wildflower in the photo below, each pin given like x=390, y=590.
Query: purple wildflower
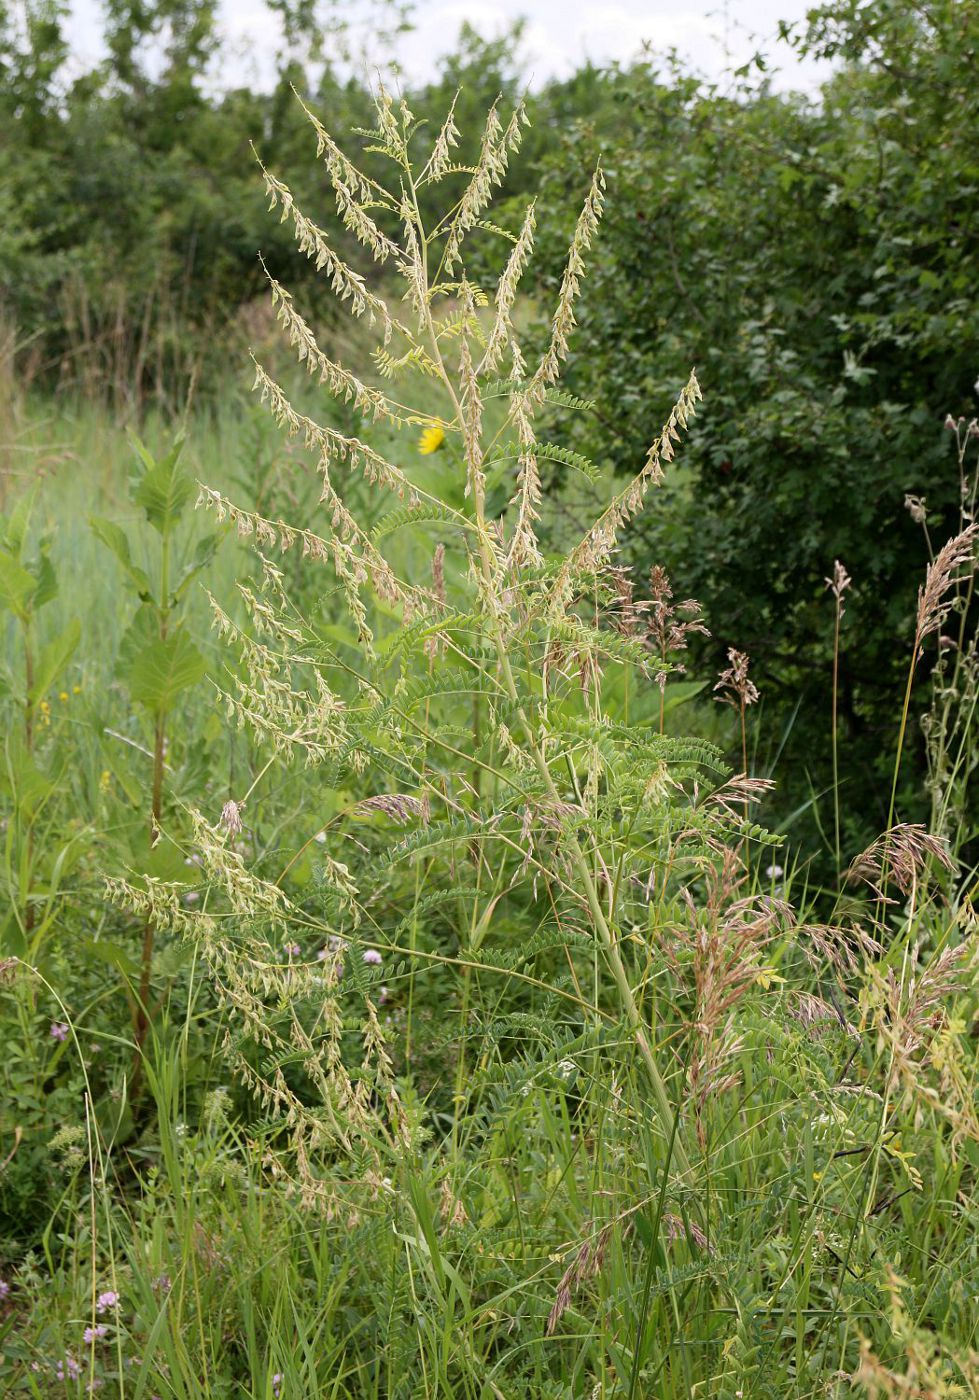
x=94, y=1334
x=372, y=956
x=107, y=1300
x=292, y=950
x=59, y=1031
x=277, y=1380
x=4, y=1288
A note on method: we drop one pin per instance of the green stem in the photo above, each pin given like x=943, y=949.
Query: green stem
x=664, y=1108
x=836, y=769
x=141, y=1025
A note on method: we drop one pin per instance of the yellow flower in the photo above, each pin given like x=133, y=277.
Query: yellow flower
x=45, y=707
x=76, y=690
x=431, y=440
x=63, y=697
x=105, y=780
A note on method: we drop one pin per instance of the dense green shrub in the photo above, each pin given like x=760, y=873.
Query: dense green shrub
x=817, y=260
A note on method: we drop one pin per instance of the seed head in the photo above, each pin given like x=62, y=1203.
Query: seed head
x=735, y=687
x=904, y=852
x=841, y=580
x=942, y=576
x=916, y=508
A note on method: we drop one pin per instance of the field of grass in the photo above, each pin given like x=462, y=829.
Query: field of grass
x=401, y=993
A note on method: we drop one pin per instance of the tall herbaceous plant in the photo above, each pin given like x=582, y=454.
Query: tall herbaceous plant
x=471, y=707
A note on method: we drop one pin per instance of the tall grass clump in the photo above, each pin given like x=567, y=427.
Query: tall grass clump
x=537, y=800
x=548, y=1089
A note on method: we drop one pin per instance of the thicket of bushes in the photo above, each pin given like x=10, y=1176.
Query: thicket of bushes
x=819, y=262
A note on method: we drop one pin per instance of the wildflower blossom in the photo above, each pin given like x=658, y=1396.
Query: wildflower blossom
x=277, y=1380
x=4, y=1288
x=292, y=950
x=431, y=440
x=105, y=1301
x=372, y=956
x=94, y=1334
x=58, y=1031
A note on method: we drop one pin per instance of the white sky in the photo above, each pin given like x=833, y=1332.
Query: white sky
x=712, y=34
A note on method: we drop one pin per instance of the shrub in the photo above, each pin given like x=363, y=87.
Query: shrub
x=813, y=260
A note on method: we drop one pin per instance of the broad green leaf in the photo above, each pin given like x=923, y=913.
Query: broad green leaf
x=202, y=556
x=54, y=658
x=12, y=940
x=18, y=521
x=111, y=953
x=158, y=670
x=115, y=538
x=21, y=778
x=165, y=489
x=16, y=586
x=141, y=634
x=679, y=692
x=46, y=584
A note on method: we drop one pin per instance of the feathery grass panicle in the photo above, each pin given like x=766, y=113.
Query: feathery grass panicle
x=734, y=684
x=904, y=853
x=839, y=582
x=945, y=571
x=516, y=809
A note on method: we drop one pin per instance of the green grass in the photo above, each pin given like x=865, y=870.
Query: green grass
x=534, y=1237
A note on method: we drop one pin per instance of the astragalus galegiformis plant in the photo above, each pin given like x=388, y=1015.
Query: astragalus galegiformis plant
x=467, y=705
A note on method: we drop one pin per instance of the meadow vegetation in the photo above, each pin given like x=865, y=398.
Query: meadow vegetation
x=440, y=957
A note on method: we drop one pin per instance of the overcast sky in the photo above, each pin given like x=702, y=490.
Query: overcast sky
x=560, y=33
